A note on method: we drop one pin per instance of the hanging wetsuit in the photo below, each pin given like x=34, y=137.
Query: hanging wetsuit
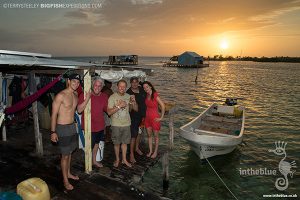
x=15, y=90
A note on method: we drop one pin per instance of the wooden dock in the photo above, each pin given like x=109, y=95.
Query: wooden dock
x=19, y=161
x=122, y=60
x=185, y=66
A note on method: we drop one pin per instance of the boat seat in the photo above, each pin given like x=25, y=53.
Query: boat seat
x=222, y=119
x=217, y=130
x=221, y=125
x=213, y=129
x=228, y=110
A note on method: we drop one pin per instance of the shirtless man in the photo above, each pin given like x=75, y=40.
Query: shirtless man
x=63, y=129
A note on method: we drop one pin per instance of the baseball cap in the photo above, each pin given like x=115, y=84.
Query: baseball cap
x=74, y=76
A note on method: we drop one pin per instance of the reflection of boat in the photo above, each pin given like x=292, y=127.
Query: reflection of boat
x=122, y=60
x=216, y=131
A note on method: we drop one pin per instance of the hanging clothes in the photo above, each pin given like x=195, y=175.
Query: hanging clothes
x=30, y=99
x=4, y=91
x=15, y=90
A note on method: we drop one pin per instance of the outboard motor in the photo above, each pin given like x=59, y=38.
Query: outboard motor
x=231, y=101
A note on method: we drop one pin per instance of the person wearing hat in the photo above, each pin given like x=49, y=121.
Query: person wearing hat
x=63, y=129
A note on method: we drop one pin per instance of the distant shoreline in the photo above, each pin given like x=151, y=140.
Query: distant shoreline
x=255, y=59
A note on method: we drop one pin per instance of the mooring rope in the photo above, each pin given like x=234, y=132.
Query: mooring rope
x=218, y=176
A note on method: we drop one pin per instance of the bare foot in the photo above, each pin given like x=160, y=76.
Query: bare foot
x=74, y=177
x=139, y=152
x=149, y=154
x=126, y=163
x=132, y=159
x=116, y=163
x=154, y=155
x=68, y=186
x=97, y=165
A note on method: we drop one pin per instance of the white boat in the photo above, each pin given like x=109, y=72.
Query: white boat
x=216, y=131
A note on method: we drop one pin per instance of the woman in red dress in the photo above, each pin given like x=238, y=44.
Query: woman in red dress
x=153, y=118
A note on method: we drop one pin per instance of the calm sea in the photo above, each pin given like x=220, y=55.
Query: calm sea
x=271, y=95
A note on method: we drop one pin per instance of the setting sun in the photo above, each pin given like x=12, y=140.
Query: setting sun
x=224, y=44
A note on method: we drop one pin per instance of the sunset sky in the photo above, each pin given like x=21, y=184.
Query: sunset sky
x=154, y=27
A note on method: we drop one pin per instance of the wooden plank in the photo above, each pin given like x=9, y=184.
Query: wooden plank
x=91, y=186
x=87, y=124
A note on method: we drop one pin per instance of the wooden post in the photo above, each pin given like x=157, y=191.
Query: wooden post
x=196, y=79
x=165, y=166
x=37, y=133
x=87, y=125
x=4, y=133
x=171, y=110
x=1, y=78
x=2, y=115
x=171, y=129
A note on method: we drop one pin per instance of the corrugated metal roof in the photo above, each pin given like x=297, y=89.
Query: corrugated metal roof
x=33, y=59
x=22, y=53
x=17, y=60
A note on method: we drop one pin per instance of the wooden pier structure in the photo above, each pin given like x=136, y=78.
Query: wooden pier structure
x=27, y=151
x=19, y=161
x=186, y=66
x=122, y=60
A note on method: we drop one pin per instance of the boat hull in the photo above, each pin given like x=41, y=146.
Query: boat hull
x=207, y=151
x=208, y=143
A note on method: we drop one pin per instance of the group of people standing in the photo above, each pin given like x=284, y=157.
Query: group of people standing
x=127, y=110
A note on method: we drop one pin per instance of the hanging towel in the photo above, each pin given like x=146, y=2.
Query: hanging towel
x=80, y=132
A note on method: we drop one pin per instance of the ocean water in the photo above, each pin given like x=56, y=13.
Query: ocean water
x=271, y=95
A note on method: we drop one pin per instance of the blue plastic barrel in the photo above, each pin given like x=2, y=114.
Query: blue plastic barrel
x=9, y=196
